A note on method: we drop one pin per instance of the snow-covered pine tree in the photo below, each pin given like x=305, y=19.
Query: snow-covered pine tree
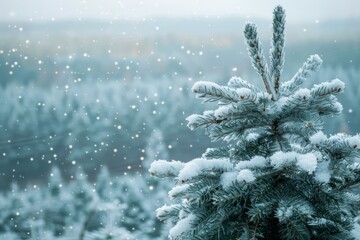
x=279, y=176
x=55, y=182
x=155, y=148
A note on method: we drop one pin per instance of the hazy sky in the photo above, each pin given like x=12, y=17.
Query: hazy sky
x=304, y=10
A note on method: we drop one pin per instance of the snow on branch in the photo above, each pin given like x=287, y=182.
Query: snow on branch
x=199, y=165
x=306, y=162
x=228, y=178
x=182, y=226
x=236, y=110
x=245, y=175
x=224, y=111
x=162, y=168
x=255, y=162
x=354, y=141
x=323, y=172
x=281, y=159
x=195, y=120
x=288, y=104
x=167, y=211
x=257, y=56
x=248, y=104
x=323, y=97
x=318, y=138
x=178, y=191
x=237, y=82
x=311, y=65
x=326, y=88
x=212, y=92
x=338, y=143
x=302, y=93
x=277, y=53
x=329, y=106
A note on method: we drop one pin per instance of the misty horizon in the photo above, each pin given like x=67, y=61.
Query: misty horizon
x=41, y=10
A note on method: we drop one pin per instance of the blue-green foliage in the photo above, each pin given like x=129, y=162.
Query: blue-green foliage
x=277, y=53
x=279, y=176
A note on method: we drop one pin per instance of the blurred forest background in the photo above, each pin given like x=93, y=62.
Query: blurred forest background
x=87, y=105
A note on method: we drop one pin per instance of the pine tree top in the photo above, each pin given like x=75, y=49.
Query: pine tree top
x=281, y=111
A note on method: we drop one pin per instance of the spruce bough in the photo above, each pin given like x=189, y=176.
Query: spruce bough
x=279, y=176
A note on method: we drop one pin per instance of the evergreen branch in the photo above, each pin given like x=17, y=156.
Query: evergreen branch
x=294, y=103
x=213, y=153
x=257, y=57
x=327, y=88
x=203, y=186
x=260, y=211
x=277, y=53
x=247, y=103
x=325, y=104
x=246, y=108
x=195, y=121
x=208, y=225
x=326, y=224
x=231, y=130
x=300, y=128
x=350, y=183
x=236, y=193
x=311, y=65
x=165, y=212
x=237, y=82
x=294, y=230
x=212, y=92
